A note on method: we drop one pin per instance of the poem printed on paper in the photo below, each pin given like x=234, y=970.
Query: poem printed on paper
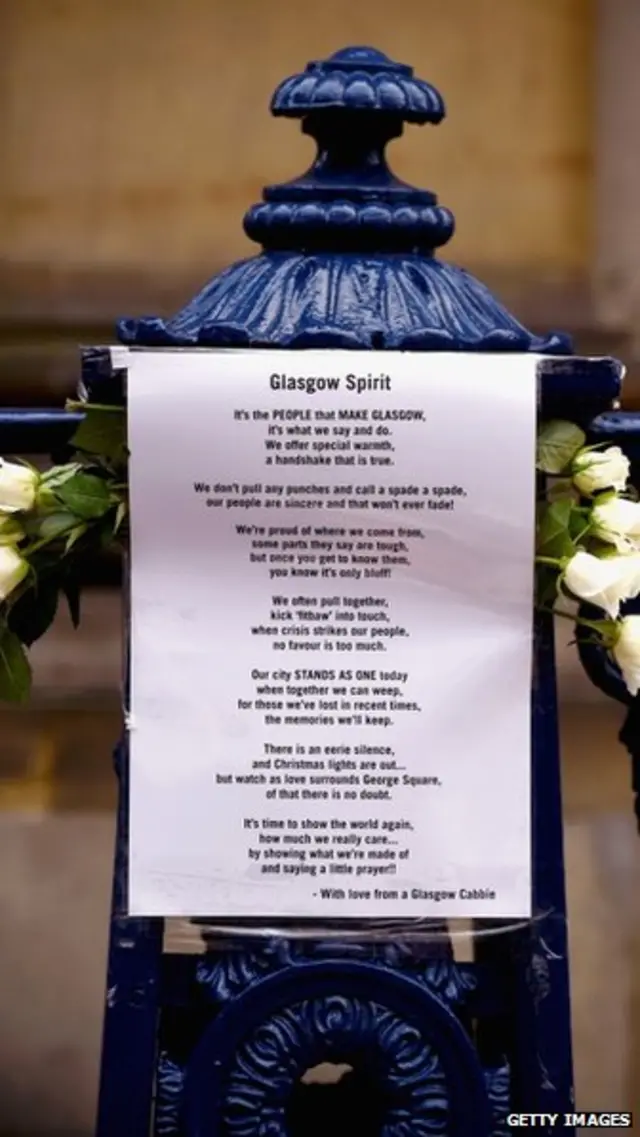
x=331, y=606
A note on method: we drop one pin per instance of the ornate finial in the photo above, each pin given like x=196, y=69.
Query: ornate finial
x=352, y=104
x=359, y=79
x=347, y=249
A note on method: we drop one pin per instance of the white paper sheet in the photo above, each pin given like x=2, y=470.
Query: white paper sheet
x=332, y=596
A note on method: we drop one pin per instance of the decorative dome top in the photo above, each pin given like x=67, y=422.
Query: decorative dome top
x=348, y=247
x=359, y=79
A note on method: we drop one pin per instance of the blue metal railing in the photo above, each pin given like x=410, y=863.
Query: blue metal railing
x=37, y=431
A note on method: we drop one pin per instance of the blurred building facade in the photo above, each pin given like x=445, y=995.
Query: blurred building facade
x=135, y=133
x=133, y=136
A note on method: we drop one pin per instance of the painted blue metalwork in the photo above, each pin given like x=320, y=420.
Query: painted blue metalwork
x=347, y=258
x=411, y=1046
x=36, y=431
x=348, y=261
x=224, y=975
x=132, y=997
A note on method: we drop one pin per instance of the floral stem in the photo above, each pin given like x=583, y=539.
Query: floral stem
x=557, y=612
x=595, y=625
x=553, y=561
x=75, y=405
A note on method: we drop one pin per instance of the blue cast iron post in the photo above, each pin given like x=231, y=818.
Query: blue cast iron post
x=215, y=1045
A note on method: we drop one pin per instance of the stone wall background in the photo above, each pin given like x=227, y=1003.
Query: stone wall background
x=135, y=133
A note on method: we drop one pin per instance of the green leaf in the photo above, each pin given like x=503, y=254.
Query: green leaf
x=103, y=433
x=121, y=513
x=558, y=444
x=51, y=481
x=579, y=524
x=75, y=536
x=33, y=614
x=71, y=590
x=58, y=475
x=562, y=488
x=15, y=670
x=554, y=530
x=55, y=525
x=105, y=535
x=86, y=496
x=546, y=587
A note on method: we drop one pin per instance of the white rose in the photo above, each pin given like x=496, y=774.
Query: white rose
x=13, y=569
x=595, y=470
x=618, y=523
x=11, y=531
x=603, y=581
x=626, y=652
x=18, y=487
